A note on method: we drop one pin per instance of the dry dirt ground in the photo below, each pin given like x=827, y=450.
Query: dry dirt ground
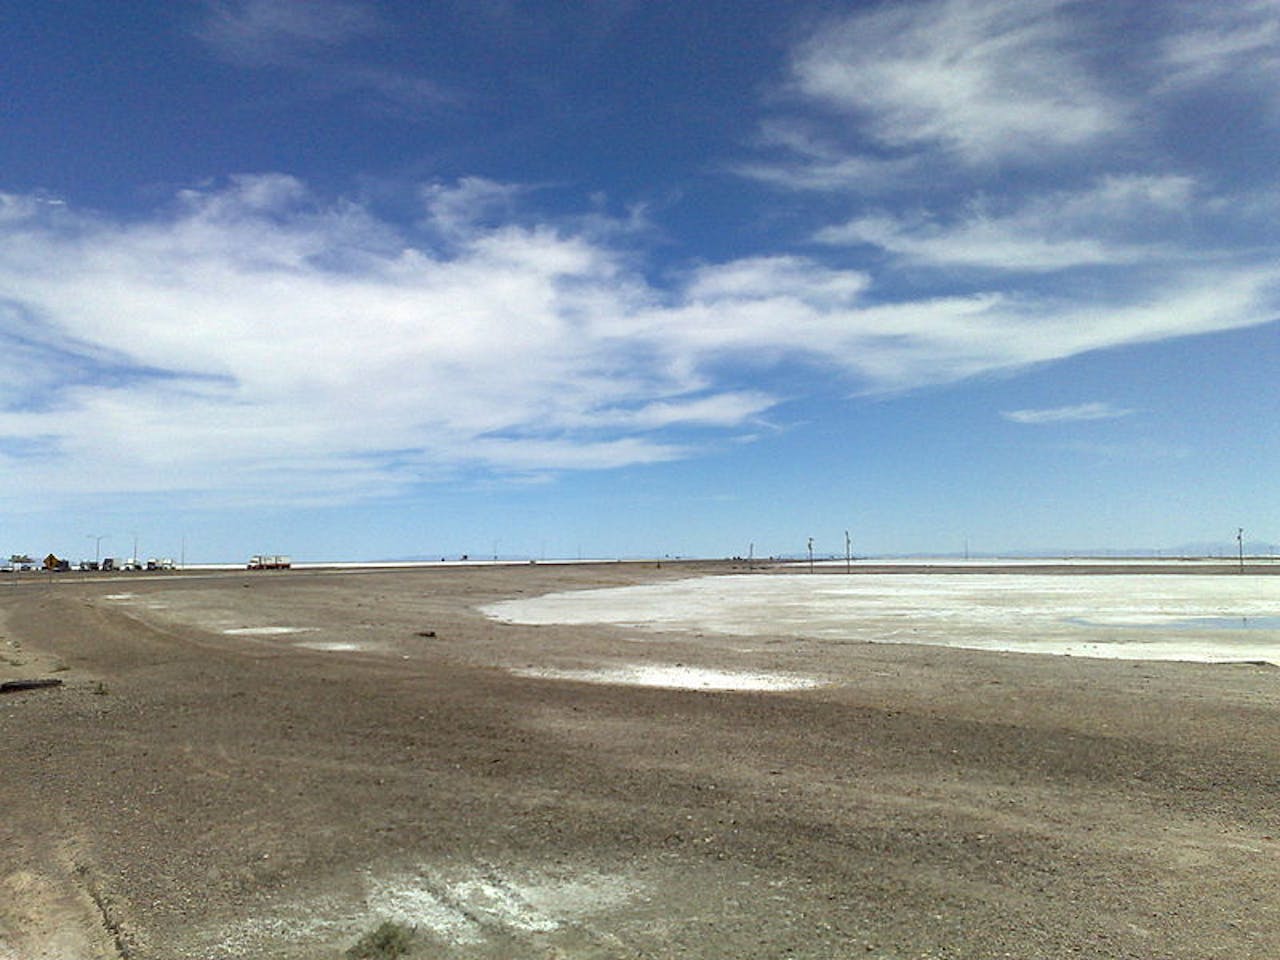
x=268, y=765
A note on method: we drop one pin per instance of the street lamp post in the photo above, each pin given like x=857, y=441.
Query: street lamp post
x=97, y=539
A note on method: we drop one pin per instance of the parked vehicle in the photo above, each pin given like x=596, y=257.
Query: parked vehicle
x=131, y=564
x=88, y=564
x=108, y=563
x=269, y=562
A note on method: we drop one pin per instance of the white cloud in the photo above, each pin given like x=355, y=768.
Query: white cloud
x=982, y=79
x=313, y=40
x=804, y=160
x=938, y=94
x=1055, y=231
x=274, y=32
x=1238, y=41
x=1076, y=413
x=254, y=333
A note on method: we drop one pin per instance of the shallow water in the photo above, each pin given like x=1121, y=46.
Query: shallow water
x=1193, y=623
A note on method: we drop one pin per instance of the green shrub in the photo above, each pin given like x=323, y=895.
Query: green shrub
x=387, y=942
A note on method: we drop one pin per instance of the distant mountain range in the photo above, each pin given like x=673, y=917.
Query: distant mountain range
x=1222, y=548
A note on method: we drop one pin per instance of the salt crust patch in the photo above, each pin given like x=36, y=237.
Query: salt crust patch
x=119, y=596
x=463, y=907
x=467, y=909
x=1093, y=615
x=264, y=631
x=335, y=646
x=676, y=677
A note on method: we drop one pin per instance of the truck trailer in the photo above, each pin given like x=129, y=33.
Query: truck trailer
x=269, y=562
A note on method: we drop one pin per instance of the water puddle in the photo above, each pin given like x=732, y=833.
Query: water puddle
x=1184, y=623
x=264, y=631
x=675, y=677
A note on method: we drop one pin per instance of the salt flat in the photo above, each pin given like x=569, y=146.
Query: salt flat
x=1135, y=616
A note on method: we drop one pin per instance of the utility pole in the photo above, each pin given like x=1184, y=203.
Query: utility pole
x=848, y=555
x=811, y=554
x=1240, y=542
x=97, y=545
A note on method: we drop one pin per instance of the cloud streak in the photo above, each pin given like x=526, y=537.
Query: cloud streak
x=982, y=79
x=1117, y=221
x=1076, y=413
x=312, y=40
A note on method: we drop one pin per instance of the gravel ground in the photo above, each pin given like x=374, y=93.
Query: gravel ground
x=268, y=765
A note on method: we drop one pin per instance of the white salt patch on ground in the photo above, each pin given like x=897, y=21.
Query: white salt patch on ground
x=503, y=906
x=469, y=908
x=251, y=937
x=590, y=893
x=336, y=646
x=413, y=901
x=119, y=596
x=675, y=677
x=265, y=631
x=1125, y=616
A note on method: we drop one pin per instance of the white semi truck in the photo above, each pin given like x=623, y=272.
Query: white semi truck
x=269, y=562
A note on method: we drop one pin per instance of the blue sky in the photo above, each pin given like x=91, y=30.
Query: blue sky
x=356, y=280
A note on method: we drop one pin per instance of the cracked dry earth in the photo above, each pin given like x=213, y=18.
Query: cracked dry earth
x=268, y=765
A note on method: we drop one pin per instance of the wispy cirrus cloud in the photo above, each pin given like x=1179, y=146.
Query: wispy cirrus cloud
x=952, y=95
x=982, y=79
x=1116, y=221
x=984, y=161
x=256, y=331
x=1075, y=413
x=277, y=33
x=1238, y=43
x=314, y=41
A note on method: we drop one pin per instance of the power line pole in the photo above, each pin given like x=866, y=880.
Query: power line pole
x=848, y=555
x=811, y=554
x=1240, y=542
